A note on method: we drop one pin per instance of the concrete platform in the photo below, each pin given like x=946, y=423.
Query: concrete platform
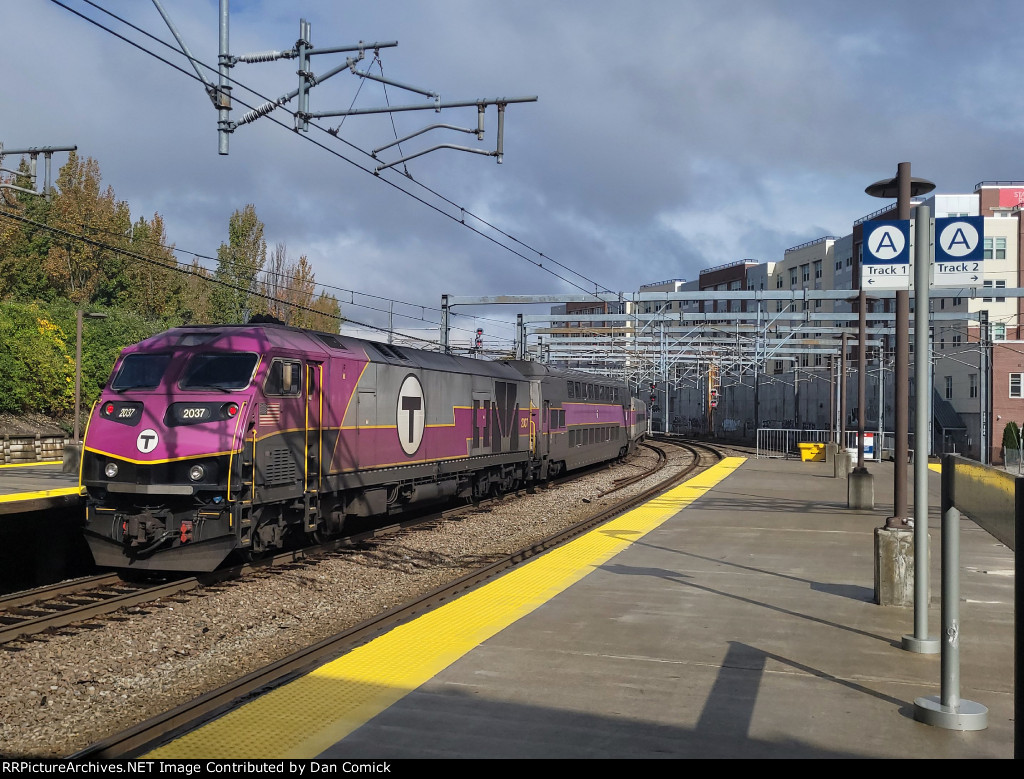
x=740, y=624
x=36, y=487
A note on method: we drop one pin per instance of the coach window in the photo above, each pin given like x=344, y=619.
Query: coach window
x=284, y=378
x=572, y=393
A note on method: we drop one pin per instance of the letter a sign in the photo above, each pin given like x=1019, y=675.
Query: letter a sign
x=886, y=260
x=959, y=251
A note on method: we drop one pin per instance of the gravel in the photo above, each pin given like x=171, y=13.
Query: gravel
x=64, y=692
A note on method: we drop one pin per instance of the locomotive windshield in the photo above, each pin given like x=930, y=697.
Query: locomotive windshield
x=219, y=370
x=140, y=371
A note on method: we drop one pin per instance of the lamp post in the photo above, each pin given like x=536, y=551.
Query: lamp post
x=903, y=187
x=890, y=557
x=80, y=315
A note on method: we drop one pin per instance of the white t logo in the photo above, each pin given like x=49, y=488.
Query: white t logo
x=147, y=440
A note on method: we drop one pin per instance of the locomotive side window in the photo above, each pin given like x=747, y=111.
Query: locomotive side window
x=572, y=393
x=140, y=371
x=219, y=370
x=284, y=378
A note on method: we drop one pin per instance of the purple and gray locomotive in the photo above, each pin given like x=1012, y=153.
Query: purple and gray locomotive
x=215, y=440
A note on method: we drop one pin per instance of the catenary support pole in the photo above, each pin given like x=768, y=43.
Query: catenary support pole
x=920, y=641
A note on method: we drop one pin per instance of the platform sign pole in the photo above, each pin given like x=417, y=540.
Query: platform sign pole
x=920, y=641
x=948, y=710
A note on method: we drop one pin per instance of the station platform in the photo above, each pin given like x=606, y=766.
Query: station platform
x=732, y=617
x=36, y=487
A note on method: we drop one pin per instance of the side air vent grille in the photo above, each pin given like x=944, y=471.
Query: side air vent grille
x=279, y=467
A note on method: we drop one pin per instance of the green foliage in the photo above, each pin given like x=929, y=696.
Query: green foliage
x=36, y=369
x=37, y=355
x=1011, y=436
x=239, y=263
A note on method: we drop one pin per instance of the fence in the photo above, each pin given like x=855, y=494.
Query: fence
x=784, y=443
x=31, y=449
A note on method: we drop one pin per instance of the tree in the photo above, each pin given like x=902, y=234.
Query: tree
x=328, y=319
x=80, y=271
x=239, y=263
x=196, y=298
x=1011, y=436
x=36, y=368
x=24, y=246
x=155, y=287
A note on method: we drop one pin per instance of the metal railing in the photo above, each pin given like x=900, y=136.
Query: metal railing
x=784, y=443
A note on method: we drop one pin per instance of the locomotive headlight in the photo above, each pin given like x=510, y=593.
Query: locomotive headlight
x=110, y=470
x=196, y=472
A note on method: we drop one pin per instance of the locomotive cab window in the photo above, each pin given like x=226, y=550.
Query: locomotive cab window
x=140, y=371
x=219, y=370
x=284, y=378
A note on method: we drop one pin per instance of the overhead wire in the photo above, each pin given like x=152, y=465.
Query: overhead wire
x=179, y=268
x=436, y=194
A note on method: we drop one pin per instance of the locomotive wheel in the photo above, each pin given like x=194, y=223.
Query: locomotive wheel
x=254, y=555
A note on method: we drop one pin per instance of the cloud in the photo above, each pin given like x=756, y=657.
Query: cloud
x=667, y=137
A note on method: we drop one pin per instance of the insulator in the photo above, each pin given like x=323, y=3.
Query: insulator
x=261, y=56
x=256, y=113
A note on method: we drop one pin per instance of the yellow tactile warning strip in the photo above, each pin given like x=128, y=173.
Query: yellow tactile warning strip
x=305, y=717
x=18, y=496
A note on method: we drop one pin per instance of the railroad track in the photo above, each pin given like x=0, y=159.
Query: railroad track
x=46, y=610
x=141, y=738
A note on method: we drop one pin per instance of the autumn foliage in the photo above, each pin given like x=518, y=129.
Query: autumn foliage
x=82, y=250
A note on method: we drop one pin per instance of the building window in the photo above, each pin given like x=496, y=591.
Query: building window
x=792, y=277
x=956, y=340
x=778, y=282
x=817, y=269
x=995, y=248
x=949, y=387
x=1015, y=385
x=998, y=331
x=972, y=378
x=997, y=284
x=805, y=272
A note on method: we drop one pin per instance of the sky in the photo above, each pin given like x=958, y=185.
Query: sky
x=668, y=136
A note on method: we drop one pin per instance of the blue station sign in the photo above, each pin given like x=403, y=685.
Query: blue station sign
x=886, y=259
x=959, y=251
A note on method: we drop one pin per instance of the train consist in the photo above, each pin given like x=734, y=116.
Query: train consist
x=209, y=441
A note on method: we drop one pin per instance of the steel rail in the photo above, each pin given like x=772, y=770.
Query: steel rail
x=162, y=728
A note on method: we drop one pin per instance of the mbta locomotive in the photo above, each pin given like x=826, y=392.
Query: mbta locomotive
x=215, y=440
